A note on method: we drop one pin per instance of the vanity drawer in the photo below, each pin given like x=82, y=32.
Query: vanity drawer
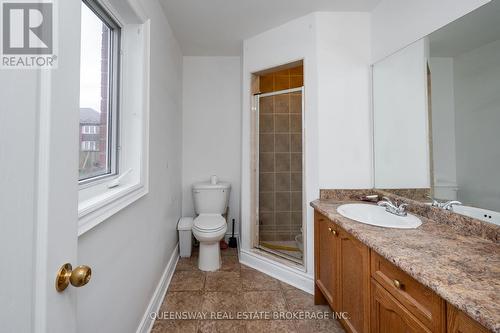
x=422, y=302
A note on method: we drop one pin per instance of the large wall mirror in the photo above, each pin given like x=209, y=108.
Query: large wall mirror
x=437, y=115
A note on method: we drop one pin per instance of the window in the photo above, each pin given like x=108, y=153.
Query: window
x=90, y=130
x=99, y=66
x=114, y=128
x=88, y=146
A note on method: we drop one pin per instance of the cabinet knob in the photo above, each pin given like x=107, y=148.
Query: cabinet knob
x=332, y=231
x=398, y=284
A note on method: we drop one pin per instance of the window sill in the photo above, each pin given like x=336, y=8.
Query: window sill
x=95, y=210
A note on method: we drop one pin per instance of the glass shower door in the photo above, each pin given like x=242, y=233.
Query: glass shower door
x=280, y=173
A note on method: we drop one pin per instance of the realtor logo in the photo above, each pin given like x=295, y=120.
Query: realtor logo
x=27, y=34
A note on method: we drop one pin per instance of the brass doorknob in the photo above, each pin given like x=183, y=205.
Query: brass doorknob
x=78, y=277
x=398, y=284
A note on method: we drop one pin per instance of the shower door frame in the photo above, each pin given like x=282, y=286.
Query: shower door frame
x=256, y=224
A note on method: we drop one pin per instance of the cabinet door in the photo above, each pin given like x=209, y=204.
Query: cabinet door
x=423, y=303
x=354, y=282
x=459, y=322
x=325, y=260
x=389, y=316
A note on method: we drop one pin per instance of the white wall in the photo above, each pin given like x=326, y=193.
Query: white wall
x=477, y=105
x=443, y=127
x=129, y=252
x=401, y=119
x=344, y=100
x=336, y=53
x=397, y=23
x=287, y=43
x=211, y=122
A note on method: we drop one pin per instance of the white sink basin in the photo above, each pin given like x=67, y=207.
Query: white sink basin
x=376, y=215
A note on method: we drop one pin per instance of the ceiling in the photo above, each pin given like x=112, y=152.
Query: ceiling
x=217, y=27
x=469, y=32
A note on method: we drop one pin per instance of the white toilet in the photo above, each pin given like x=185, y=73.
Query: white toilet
x=209, y=227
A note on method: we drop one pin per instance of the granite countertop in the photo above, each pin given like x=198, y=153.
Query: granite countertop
x=463, y=270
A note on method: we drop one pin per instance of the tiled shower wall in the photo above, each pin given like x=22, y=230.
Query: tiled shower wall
x=280, y=157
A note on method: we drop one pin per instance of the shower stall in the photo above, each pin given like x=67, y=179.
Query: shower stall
x=280, y=203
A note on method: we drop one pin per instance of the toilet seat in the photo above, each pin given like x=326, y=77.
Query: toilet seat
x=209, y=223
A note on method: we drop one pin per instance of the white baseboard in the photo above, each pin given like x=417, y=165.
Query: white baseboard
x=155, y=303
x=291, y=275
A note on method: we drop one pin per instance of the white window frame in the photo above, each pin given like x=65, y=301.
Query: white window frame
x=101, y=199
x=114, y=60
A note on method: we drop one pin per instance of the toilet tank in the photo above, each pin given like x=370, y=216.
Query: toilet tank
x=211, y=198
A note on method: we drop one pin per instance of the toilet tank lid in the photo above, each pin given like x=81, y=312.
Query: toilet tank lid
x=210, y=186
x=185, y=223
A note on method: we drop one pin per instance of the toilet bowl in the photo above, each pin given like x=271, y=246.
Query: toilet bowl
x=209, y=227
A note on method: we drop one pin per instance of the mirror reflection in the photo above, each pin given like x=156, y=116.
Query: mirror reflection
x=437, y=116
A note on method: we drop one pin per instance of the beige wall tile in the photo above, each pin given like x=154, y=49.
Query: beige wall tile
x=281, y=123
x=266, y=104
x=296, y=143
x=266, y=83
x=267, y=236
x=281, y=82
x=296, y=81
x=282, y=143
x=266, y=162
x=296, y=162
x=266, y=143
x=296, y=123
x=284, y=236
x=296, y=201
x=266, y=123
x=282, y=103
x=266, y=202
x=266, y=182
x=282, y=162
x=299, y=70
x=296, y=219
x=282, y=219
x=283, y=72
x=283, y=181
x=266, y=219
x=282, y=201
x=296, y=103
x=296, y=181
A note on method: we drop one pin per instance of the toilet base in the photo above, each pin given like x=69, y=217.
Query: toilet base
x=209, y=257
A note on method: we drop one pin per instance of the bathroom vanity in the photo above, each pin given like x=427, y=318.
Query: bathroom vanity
x=436, y=129
x=428, y=279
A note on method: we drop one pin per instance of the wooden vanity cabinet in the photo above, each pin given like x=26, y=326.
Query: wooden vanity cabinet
x=459, y=322
x=377, y=296
x=424, y=304
x=354, y=282
x=389, y=316
x=325, y=268
x=342, y=273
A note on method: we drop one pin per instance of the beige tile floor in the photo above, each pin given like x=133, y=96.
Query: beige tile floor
x=234, y=289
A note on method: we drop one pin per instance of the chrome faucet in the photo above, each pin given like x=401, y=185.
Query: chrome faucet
x=435, y=202
x=449, y=205
x=393, y=208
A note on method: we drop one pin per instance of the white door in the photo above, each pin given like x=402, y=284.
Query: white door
x=39, y=115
